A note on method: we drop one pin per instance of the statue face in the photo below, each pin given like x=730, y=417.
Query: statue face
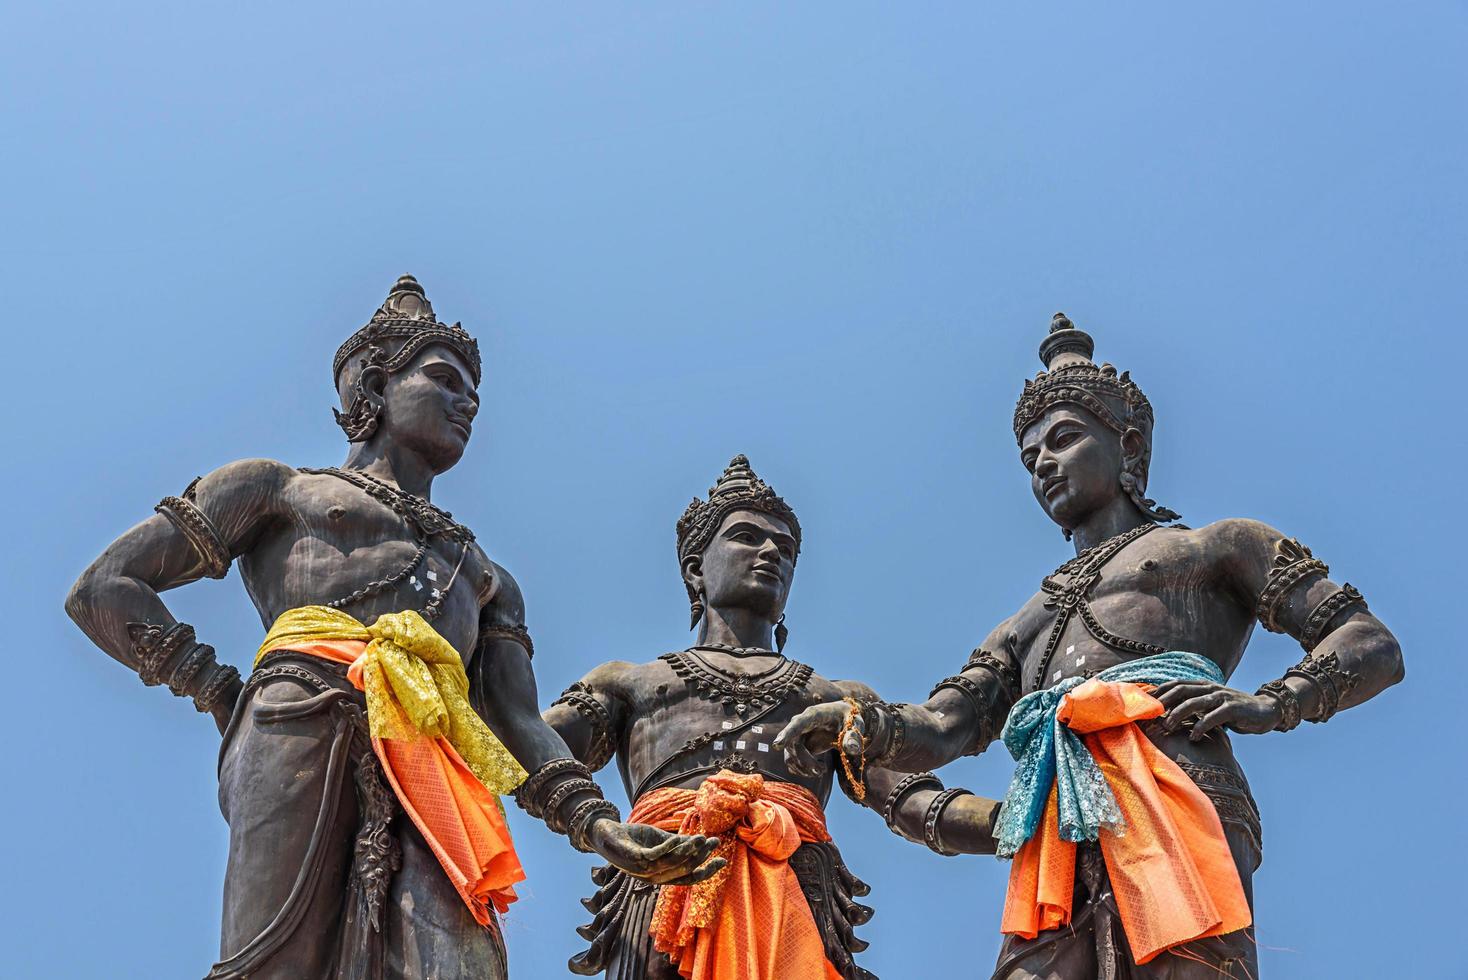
x=749, y=564
x=429, y=407
x=1075, y=463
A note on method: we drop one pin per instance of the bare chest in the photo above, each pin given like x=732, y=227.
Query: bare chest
x=340, y=547
x=686, y=721
x=1152, y=595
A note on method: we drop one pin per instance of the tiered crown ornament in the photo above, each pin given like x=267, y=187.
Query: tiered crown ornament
x=402, y=326
x=738, y=489
x=406, y=315
x=1071, y=377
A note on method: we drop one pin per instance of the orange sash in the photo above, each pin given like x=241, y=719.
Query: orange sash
x=750, y=921
x=1171, y=871
x=462, y=821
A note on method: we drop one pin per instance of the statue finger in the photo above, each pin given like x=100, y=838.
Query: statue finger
x=1216, y=718
x=851, y=744
x=1174, y=693
x=686, y=854
x=795, y=729
x=654, y=853
x=704, y=872
x=800, y=760
x=1179, y=715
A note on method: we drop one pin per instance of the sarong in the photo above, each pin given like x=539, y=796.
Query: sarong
x=750, y=921
x=1166, y=856
x=443, y=763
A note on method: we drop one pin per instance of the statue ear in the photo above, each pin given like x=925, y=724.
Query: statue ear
x=692, y=569
x=364, y=412
x=1135, y=454
x=371, y=383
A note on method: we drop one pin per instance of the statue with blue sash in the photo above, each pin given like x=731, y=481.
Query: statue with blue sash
x=1131, y=830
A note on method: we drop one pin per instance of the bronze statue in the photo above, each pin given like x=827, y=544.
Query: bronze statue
x=1111, y=687
x=692, y=733
x=359, y=784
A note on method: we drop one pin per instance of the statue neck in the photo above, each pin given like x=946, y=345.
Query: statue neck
x=403, y=467
x=736, y=628
x=1117, y=517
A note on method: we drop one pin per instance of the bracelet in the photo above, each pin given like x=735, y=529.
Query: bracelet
x=172, y=655
x=1332, y=605
x=939, y=803
x=589, y=707
x=583, y=817
x=971, y=690
x=1293, y=563
x=187, y=667
x=1007, y=676
x=154, y=646
x=1289, y=704
x=909, y=782
x=886, y=719
x=528, y=793
x=224, y=677
x=515, y=634
x=563, y=791
x=1330, y=682
x=202, y=536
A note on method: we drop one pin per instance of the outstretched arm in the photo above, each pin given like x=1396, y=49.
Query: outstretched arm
x=1350, y=656
x=560, y=789
x=116, y=600
x=918, y=807
x=961, y=717
x=590, y=713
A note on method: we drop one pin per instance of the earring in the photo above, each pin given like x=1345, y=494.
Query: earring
x=361, y=417
x=696, y=610
x=781, y=634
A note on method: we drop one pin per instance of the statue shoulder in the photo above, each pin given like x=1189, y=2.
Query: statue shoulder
x=1240, y=551
x=1234, y=536
x=240, y=498
x=504, y=603
x=263, y=477
x=849, y=689
x=615, y=678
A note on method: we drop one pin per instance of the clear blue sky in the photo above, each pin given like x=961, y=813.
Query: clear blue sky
x=830, y=237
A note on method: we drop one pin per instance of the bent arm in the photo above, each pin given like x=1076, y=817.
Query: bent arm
x=191, y=536
x=1350, y=655
x=589, y=714
x=559, y=788
x=502, y=685
x=918, y=807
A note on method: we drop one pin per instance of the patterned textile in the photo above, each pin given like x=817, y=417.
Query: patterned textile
x=750, y=921
x=1172, y=873
x=1049, y=753
x=444, y=764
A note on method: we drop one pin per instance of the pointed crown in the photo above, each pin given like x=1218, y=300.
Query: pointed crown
x=1071, y=377
x=738, y=489
x=406, y=316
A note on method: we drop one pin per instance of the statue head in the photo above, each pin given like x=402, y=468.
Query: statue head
x=1084, y=432
x=408, y=379
x=737, y=549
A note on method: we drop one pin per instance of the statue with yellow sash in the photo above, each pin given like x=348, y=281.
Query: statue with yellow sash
x=392, y=700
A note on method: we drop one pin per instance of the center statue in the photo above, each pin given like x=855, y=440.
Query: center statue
x=363, y=756
x=1132, y=831
x=693, y=734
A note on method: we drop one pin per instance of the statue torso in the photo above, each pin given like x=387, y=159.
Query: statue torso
x=666, y=709
x=1161, y=591
x=335, y=540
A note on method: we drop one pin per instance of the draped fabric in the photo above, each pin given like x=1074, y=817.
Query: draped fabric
x=444, y=764
x=1050, y=754
x=1170, y=867
x=750, y=921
